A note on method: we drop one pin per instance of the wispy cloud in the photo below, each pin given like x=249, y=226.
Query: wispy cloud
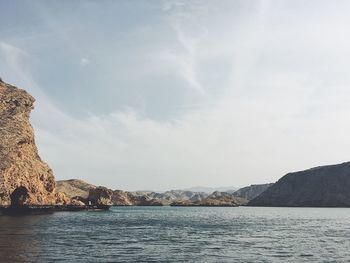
x=271, y=94
x=185, y=57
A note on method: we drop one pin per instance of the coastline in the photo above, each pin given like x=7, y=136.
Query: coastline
x=43, y=209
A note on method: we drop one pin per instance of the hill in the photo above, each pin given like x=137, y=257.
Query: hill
x=74, y=187
x=324, y=186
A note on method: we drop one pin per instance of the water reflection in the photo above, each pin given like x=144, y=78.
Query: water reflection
x=18, y=238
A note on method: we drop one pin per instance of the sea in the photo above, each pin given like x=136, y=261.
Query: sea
x=179, y=234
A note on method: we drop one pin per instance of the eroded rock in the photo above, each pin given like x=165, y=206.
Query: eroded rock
x=100, y=196
x=24, y=178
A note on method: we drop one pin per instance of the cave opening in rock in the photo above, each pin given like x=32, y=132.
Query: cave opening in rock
x=19, y=196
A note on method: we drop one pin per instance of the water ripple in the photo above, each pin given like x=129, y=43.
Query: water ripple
x=175, y=234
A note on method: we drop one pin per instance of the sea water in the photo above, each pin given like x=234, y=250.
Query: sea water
x=179, y=234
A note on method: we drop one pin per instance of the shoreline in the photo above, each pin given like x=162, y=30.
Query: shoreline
x=44, y=209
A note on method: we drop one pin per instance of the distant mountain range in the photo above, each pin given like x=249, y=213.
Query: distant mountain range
x=79, y=190
x=210, y=190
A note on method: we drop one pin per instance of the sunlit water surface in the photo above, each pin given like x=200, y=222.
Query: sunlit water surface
x=175, y=234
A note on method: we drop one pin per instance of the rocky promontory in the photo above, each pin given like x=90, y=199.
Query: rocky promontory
x=25, y=179
x=324, y=186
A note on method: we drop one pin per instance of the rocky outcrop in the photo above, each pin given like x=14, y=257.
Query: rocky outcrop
x=79, y=192
x=144, y=200
x=24, y=178
x=171, y=196
x=100, y=196
x=221, y=199
x=252, y=191
x=227, y=197
x=123, y=198
x=325, y=186
x=74, y=188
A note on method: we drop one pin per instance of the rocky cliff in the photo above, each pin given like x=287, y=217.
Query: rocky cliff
x=325, y=186
x=100, y=196
x=24, y=178
x=252, y=191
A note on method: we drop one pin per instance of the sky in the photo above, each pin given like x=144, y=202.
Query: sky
x=156, y=95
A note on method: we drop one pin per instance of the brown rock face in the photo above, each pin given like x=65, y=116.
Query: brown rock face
x=74, y=188
x=100, y=196
x=122, y=198
x=24, y=178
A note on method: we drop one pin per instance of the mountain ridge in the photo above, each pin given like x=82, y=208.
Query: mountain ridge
x=321, y=186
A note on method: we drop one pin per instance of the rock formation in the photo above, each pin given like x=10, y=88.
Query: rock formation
x=122, y=198
x=171, y=196
x=215, y=199
x=24, y=178
x=81, y=191
x=252, y=191
x=325, y=186
x=227, y=197
x=125, y=198
x=74, y=188
x=100, y=196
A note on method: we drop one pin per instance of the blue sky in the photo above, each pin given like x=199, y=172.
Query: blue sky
x=173, y=94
